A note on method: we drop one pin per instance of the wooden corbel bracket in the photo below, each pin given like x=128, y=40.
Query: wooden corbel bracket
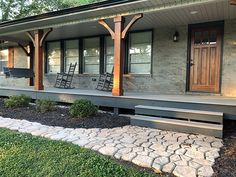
x=44, y=36
x=103, y=23
x=124, y=32
x=131, y=23
x=232, y=2
x=23, y=48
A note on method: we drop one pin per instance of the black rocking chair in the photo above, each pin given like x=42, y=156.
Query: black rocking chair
x=64, y=80
x=105, y=82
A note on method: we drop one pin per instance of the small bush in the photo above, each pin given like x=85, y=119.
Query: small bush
x=45, y=105
x=17, y=101
x=82, y=108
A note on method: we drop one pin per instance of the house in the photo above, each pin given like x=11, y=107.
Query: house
x=177, y=54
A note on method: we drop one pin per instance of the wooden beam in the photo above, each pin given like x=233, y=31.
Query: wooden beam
x=10, y=62
x=45, y=34
x=119, y=35
x=23, y=48
x=232, y=2
x=38, y=56
x=118, y=57
x=131, y=23
x=105, y=25
x=28, y=33
x=38, y=37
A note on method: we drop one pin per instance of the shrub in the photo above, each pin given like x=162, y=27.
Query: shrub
x=17, y=101
x=82, y=108
x=45, y=105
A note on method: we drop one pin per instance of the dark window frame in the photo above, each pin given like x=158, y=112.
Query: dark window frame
x=46, y=71
x=83, y=65
x=105, y=53
x=102, y=62
x=127, y=47
x=64, y=55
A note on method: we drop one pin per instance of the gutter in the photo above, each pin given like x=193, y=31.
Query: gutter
x=60, y=13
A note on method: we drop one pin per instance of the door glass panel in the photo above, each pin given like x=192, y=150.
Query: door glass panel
x=197, y=38
x=205, y=38
x=213, y=37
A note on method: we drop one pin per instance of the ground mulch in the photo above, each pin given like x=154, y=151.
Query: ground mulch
x=225, y=165
x=60, y=117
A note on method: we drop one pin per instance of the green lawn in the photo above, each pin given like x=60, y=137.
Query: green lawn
x=26, y=155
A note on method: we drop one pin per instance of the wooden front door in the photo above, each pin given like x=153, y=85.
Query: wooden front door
x=205, y=60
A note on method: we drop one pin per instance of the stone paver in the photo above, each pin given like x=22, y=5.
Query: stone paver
x=182, y=171
x=182, y=154
x=144, y=161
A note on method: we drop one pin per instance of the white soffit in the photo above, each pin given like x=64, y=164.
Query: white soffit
x=157, y=13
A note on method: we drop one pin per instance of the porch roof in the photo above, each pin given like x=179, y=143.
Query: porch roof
x=70, y=23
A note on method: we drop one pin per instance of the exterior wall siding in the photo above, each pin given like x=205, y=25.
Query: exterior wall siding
x=229, y=60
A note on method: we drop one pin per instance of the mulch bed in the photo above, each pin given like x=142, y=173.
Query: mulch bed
x=61, y=117
x=225, y=165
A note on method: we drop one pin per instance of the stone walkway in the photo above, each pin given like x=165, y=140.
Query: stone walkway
x=182, y=154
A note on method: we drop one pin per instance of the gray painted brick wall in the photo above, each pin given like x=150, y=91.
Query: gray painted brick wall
x=229, y=59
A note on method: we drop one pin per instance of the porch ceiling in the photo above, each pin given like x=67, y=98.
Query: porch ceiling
x=157, y=13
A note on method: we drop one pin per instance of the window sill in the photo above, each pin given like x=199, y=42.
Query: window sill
x=76, y=75
x=87, y=75
x=137, y=75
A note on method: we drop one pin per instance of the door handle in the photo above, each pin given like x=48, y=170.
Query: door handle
x=191, y=62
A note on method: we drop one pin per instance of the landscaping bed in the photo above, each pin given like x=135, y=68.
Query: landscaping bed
x=225, y=165
x=61, y=117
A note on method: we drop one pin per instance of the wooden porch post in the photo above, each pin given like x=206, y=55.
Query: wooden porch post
x=38, y=38
x=38, y=56
x=10, y=62
x=118, y=35
x=232, y=2
x=118, y=57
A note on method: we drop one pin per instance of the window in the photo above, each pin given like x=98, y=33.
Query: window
x=71, y=54
x=109, y=54
x=91, y=55
x=54, y=57
x=3, y=59
x=140, y=52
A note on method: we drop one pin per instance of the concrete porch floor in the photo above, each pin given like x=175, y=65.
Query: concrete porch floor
x=193, y=98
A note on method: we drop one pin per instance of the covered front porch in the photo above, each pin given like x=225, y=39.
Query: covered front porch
x=162, y=69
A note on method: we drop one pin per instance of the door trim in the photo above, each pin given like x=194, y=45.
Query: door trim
x=217, y=24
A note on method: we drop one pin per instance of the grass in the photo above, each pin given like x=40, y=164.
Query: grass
x=26, y=155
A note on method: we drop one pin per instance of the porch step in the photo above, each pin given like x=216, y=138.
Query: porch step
x=187, y=114
x=178, y=125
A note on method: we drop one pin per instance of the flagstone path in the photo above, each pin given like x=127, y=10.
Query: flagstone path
x=185, y=155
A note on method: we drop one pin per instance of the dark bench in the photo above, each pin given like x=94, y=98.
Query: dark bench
x=18, y=72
